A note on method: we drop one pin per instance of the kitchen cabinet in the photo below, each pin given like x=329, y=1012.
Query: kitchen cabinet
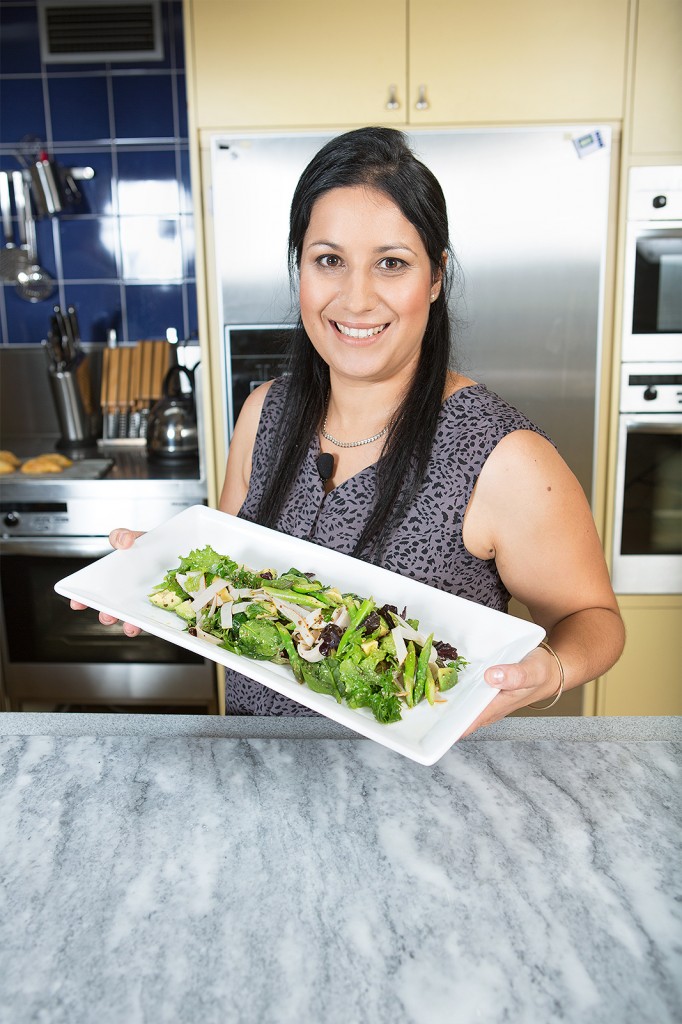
x=263, y=63
x=648, y=678
x=534, y=60
x=267, y=63
x=657, y=86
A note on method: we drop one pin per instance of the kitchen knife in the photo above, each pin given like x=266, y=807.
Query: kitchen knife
x=75, y=327
x=123, y=395
x=63, y=334
x=135, y=388
x=69, y=333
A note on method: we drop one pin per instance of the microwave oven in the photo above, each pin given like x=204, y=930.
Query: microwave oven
x=652, y=310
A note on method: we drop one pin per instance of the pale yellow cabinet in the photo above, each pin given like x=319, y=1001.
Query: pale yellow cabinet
x=272, y=63
x=532, y=60
x=648, y=678
x=657, y=91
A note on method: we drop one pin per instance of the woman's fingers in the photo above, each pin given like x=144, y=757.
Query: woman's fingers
x=110, y=620
x=509, y=677
x=122, y=539
x=535, y=670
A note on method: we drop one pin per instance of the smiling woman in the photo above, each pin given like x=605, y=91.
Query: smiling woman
x=432, y=475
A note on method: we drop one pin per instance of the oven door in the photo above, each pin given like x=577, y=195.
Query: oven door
x=53, y=654
x=652, y=321
x=647, y=557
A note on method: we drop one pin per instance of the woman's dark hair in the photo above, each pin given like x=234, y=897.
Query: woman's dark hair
x=378, y=158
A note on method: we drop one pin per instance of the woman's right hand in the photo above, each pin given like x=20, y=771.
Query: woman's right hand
x=120, y=538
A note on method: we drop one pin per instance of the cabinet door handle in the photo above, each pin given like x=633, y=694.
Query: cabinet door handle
x=392, y=103
x=422, y=102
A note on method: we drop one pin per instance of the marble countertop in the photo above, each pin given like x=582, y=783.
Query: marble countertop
x=159, y=869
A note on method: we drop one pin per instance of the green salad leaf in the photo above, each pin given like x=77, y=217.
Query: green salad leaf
x=342, y=645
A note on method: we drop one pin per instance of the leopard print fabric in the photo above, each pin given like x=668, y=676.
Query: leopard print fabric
x=426, y=546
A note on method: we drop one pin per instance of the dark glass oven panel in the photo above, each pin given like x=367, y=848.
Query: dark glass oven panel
x=248, y=374
x=41, y=627
x=657, y=305
x=258, y=342
x=652, y=495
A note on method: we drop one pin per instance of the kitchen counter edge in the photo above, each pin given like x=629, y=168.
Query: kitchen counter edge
x=555, y=729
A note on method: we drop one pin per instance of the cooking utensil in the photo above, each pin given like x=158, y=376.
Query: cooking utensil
x=63, y=334
x=46, y=187
x=74, y=327
x=74, y=422
x=54, y=346
x=109, y=425
x=145, y=395
x=12, y=258
x=172, y=428
x=135, y=387
x=33, y=282
x=123, y=391
x=15, y=257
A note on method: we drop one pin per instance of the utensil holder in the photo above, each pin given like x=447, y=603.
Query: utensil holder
x=74, y=423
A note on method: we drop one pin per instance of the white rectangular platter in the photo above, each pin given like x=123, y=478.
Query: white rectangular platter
x=120, y=584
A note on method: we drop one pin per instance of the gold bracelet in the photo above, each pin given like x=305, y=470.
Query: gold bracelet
x=556, y=696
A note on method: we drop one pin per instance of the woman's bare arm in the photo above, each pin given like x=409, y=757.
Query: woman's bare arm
x=238, y=471
x=530, y=513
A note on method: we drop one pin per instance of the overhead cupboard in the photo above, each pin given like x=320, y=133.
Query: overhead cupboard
x=264, y=63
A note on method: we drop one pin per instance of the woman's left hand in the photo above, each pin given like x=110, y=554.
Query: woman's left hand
x=535, y=678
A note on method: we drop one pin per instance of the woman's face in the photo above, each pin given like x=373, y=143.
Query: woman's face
x=366, y=285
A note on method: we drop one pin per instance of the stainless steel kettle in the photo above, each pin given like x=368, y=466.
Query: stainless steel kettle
x=172, y=428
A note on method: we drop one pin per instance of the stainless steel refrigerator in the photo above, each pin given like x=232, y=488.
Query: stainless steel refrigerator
x=528, y=220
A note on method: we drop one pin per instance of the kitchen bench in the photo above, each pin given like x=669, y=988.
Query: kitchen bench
x=186, y=868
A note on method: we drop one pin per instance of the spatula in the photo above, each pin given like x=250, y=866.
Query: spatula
x=12, y=257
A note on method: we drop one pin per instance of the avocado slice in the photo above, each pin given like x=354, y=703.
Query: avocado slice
x=185, y=611
x=167, y=599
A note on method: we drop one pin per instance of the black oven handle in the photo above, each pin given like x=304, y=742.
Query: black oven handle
x=56, y=547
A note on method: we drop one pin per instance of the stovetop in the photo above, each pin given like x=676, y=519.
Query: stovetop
x=105, y=488
x=81, y=469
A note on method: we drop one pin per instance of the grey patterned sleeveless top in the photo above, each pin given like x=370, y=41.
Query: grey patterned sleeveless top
x=427, y=545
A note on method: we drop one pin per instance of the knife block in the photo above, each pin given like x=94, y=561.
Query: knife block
x=132, y=379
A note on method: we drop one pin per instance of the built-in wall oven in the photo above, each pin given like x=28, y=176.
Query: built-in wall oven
x=647, y=545
x=53, y=525
x=52, y=656
x=647, y=557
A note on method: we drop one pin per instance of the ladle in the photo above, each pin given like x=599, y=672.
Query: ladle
x=33, y=282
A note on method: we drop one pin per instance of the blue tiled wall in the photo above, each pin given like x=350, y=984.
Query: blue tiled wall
x=125, y=257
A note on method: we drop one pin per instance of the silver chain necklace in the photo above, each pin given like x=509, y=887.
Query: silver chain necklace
x=349, y=444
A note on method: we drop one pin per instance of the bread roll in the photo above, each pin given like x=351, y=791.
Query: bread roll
x=42, y=464
x=10, y=457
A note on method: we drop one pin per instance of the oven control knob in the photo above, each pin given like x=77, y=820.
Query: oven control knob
x=658, y=202
x=650, y=394
x=12, y=519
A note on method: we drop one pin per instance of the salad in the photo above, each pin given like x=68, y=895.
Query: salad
x=339, y=644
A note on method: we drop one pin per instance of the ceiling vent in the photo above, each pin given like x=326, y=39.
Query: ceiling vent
x=87, y=31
